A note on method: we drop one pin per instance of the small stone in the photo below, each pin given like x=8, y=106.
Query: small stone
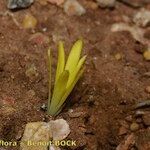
x=59, y=129
x=29, y=21
x=147, y=89
x=57, y=2
x=122, y=130
x=78, y=112
x=142, y=18
x=146, y=74
x=16, y=4
x=134, y=126
x=43, y=107
x=92, y=5
x=146, y=55
x=139, y=113
x=106, y=3
x=73, y=7
x=127, y=142
x=118, y=56
x=135, y=3
x=36, y=132
x=129, y=118
x=136, y=32
x=146, y=119
x=43, y=2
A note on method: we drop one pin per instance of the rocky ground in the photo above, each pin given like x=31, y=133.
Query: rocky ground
x=109, y=109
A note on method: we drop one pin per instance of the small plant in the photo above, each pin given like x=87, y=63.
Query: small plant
x=67, y=75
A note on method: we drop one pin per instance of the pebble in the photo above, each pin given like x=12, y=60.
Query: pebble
x=57, y=2
x=146, y=55
x=35, y=132
x=147, y=89
x=106, y=3
x=29, y=21
x=127, y=142
x=92, y=5
x=118, y=56
x=136, y=32
x=42, y=2
x=75, y=114
x=16, y=4
x=59, y=129
x=43, y=107
x=134, y=126
x=135, y=3
x=142, y=18
x=42, y=131
x=73, y=7
x=146, y=74
x=129, y=118
x=146, y=119
x=139, y=113
x=122, y=130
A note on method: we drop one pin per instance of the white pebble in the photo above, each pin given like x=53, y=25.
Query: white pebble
x=73, y=7
x=142, y=18
x=106, y=3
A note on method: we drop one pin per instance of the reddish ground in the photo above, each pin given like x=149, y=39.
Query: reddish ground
x=102, y=99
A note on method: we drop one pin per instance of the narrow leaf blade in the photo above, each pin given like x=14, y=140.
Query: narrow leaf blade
x=49, y=72
x=74, y=56
x=69, y=89
x=76, y=71
x=61, y=60
x=59, y=91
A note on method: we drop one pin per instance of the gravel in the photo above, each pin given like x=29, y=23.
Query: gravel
x=17, y=4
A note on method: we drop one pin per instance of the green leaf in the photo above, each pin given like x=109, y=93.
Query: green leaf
x=75, y=72
x=61, y=60
x=59, y=91
x=68, y=90
x=49, y=72
x=74, y=56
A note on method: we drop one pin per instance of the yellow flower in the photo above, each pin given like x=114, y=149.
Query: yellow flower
x=67, y=75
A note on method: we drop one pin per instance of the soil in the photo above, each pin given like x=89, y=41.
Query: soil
x=103, y=97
